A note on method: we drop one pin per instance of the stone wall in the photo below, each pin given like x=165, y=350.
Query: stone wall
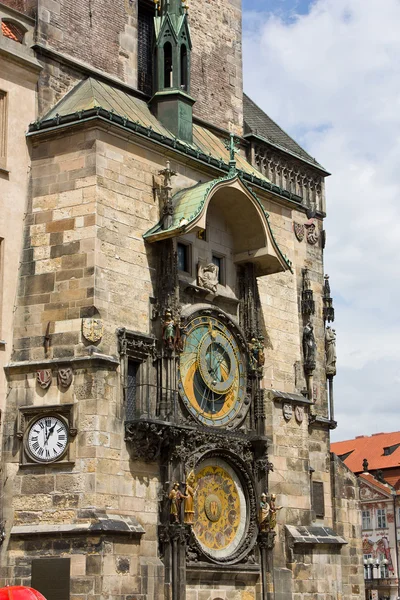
x=107, y=40
x=217, y=84
x=347, y=519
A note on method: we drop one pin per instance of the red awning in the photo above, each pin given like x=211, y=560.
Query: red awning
x=20, y=592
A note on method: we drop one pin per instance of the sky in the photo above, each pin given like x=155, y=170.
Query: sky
x=328, y=72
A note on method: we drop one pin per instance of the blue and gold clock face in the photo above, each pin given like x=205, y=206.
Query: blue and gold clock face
x=212, y=377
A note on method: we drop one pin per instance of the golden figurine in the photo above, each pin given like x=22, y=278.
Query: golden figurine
x=264, y=513
x=176, y=497
x=189, y=498
x=273, y=510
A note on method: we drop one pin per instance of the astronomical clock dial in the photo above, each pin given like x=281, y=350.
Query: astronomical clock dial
x=211, y=372
x=47, y=439
x=220, y=509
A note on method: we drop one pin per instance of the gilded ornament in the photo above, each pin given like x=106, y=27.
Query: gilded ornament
x=92, y=329
x=212, y=508
x=43, y=378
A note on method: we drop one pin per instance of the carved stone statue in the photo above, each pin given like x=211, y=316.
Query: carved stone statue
x=176, y=497
x=330, y=351
x=169, y=330
x=189, y=498
x=207, y=277
x=273, y=510
x=264, y=513
x=256, y=354
x=309, y=347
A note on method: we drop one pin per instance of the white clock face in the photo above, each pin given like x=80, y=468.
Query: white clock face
x=47, y=439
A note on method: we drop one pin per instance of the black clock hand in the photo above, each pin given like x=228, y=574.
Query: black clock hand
x=50, y=432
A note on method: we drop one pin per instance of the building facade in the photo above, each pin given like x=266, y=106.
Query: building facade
x=375, y=460
x=165, y=432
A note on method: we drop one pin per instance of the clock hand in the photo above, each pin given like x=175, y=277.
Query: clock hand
x=50, y=432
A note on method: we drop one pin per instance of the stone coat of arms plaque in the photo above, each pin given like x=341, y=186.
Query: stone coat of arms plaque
x=92, y=329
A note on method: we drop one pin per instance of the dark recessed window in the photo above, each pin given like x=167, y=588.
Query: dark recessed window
x=131, y=390
x=145, y=46
x=220, y=263
x=184, y=67
x=183, y=252
x=168, y=79
x=318, y=502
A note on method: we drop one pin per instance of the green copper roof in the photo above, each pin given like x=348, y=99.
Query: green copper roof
x=95, y=94
x=189, y=203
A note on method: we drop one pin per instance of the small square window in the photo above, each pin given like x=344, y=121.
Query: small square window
x=183, y=253
x=219, y=261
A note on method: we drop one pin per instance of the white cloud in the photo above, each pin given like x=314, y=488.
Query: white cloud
x=331, y=79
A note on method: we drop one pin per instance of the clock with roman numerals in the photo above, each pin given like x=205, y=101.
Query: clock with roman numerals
x=47, y=439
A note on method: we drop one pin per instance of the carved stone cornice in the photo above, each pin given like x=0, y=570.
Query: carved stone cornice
x=136, y=345
x=266, y=540
x=148, y=439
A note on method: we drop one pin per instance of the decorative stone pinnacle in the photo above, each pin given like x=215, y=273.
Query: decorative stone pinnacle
x=233, y=146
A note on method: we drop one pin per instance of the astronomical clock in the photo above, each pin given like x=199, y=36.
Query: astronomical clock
x=205, y=426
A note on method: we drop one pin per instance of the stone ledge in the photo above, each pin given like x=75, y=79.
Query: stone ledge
x=289, y=397
x=205, y=573
x=314, y=535
x=78, y=362
x=100, y=524
x=322, y=421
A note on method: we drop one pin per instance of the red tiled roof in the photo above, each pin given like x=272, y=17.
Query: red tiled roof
x=12, y=31
x=369, y=447
x=380, y=486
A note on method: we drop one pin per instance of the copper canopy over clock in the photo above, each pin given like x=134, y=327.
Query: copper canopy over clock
x=212, y=372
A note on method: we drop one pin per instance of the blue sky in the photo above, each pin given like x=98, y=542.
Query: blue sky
x=284, y=7
x=327, y=72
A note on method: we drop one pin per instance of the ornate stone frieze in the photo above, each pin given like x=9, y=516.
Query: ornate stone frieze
x=136, y=345
x=291, y=176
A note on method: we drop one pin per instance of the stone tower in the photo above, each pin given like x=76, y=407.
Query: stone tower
x=166, y=427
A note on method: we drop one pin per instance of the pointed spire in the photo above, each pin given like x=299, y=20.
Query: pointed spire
x=233, y=146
